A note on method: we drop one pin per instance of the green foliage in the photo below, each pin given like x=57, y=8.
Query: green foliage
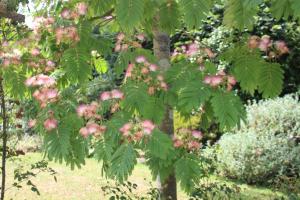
x=194, y=11
x=160, y=145
x=192, y=96
x=169, y=15
x=188, y=171
x=74, y=62
x=252, y=158
x=129, y=13
x=276, y=116
x=14, y=83
x=215, y=190
x=65, y=144
x=281, y=8
x=255, y=73
x=228, y=109
x=270, y=80
x=123, y=162
x=240, y=13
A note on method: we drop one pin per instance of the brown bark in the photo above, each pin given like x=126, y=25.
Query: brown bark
x=4, y=138
x=161, y=47
x=10, y=14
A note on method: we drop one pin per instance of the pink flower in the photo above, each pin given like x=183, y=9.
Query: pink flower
x=253, y=42
x=192, y=49
x=31, y=123
x=265, y=43
x=92, y=127
x=160, y=78
x=6, y=62
x=148, y=126
x=153, y=67
x=66, y=14
x=231, y=80
x=50, y=63
x=140, y=37
x=177, y=143
x=105, y=96
x=81, y=110
x=281, y=47
x=50, y=124
x=197, y=134
x=125, y=128
x=35, y=52
x=81, y=8
x=117, y=94
x=164, y=86
x=129, y=70
x=209, y=53
x=194, y=145
x=140, y=59
x=120, y=37
x=216, y=80
x=118, y=47
x=84, y=132
x=144, y=70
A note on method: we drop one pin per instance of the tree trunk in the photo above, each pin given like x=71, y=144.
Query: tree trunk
x=10, y=14
x=4, y=138
x=161, y=47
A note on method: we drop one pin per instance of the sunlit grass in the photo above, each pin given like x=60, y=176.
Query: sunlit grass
x=85, y=183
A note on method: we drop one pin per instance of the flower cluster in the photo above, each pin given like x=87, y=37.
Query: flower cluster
x=47, y=92
x=219, y=79
x=92, y=128
x=146, y=71
x=265, y=44
x=123, y=45
x=114, y=94
x=50, y=123
x=193, y=50
x=188, y=139
x=135, y=132
x=88, y=111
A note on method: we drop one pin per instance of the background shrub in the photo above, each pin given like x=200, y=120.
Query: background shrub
x=257, y=158
x=280, y=115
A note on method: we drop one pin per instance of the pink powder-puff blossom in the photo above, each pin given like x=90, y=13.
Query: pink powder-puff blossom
x=140, y=59
x=117, y=94
x=177, y=143
x=32, y=123
x=197, y=134
x=194, y=145
x=153, y=67
x=84, y=132
x=105, y=96
x=148, y=126
x=81, y=8
x=231, y=80
x=66, y=14
x=35, y=52
x=281, y=47
x=125, y=128
x=50, y=124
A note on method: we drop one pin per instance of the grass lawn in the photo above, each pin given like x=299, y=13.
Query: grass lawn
x=85, y=184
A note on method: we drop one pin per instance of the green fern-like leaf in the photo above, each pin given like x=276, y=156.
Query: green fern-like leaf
x=188, y=172
x=75, y=64
x=154, y=110
x=123, y=162
x=240, y=13
x=296, y=8
x=281, y=8
x=169, y=15
x=129, y=13
x=14, y=83
x=246, y=67
x=271, y=80
x=192, y=96
x=100, y=7
x=195, y=11
x=160, y=145
x=228, y=109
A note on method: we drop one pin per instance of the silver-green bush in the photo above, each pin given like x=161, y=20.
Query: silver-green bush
x=276, y=116
x=257, y=158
